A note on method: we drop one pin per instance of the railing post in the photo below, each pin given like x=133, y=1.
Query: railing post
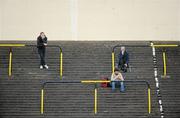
x=149, y=97
x=42, y=101
x=61, y=64
x=164, y=63
x=10, y=62
x=113, y=56
x=95, y=99
x=149, y=100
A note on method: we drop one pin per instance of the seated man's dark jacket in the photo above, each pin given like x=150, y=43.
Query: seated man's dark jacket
x=40, y=42
x=123, y=59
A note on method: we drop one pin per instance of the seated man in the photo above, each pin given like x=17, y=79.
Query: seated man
x=123, y=59
x=117, y=79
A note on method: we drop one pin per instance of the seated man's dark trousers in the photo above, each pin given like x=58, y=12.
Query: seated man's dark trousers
x=122, y=66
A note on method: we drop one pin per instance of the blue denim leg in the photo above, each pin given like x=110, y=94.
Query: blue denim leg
x=122, y=88
x=113, y=84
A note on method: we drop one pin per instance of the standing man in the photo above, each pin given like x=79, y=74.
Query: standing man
x=41, y=45
x=123, y=59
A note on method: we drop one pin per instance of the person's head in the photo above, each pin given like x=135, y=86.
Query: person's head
x=123, y=48
x=42, y=35
x=116, y=71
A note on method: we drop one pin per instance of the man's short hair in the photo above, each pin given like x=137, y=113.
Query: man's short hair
x=116, y=69
x=41, y=33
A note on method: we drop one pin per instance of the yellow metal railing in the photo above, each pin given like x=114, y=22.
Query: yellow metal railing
x=61, y=64
x=99, y=81
x=10, y=55
x=113, y=58
x=95, y=93
x=42, y=101
x=165, y=45
x=164, y=63
x=149, y=100
x=152, y=45
x=94, y=81
x=95, y=101
x=10, y=63
x=164, y=56
x=23, y=45
x=12, y=45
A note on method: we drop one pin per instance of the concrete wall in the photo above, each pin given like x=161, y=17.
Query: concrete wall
x=178, y=21
x=90, y=19
x=24, y=19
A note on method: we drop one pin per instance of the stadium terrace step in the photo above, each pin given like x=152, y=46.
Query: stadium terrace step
x=20, y=94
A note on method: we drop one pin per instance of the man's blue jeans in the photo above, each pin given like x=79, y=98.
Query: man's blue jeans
x=118, y=83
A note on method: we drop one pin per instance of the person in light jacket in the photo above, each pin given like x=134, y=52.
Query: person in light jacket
x=117, y=80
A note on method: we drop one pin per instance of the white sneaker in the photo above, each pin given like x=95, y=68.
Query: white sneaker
x=46, y=66
x=41, y=67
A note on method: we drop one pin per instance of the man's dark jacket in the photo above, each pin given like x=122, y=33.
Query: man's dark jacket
x=123, y=59
x=40, y=42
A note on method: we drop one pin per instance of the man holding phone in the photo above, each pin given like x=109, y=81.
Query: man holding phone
x=41, y=45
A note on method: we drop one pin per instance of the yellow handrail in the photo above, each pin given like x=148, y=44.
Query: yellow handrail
x=112, y=62
x=10, y=55
x=42, y=101
x=149, y=100
x=101, y=81
x=22, y=45
x=165, y=45
x=164, y=63
x=94, y=81
x=61, y=64
x=12, y=45
x=10, y=63
x=95, y=93
x=95, y=101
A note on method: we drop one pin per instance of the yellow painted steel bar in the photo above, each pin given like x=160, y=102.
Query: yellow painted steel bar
x=42, y=101
x=167, y=45
x=10, y=64
x=61, y=65
x=95, y=101
x=149, y=100
x=164, y=62
x=94, y=81
x=112, y=62
x=12, y=45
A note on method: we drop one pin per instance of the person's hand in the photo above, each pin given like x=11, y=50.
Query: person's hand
x=125, y=65
x=45, y=44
